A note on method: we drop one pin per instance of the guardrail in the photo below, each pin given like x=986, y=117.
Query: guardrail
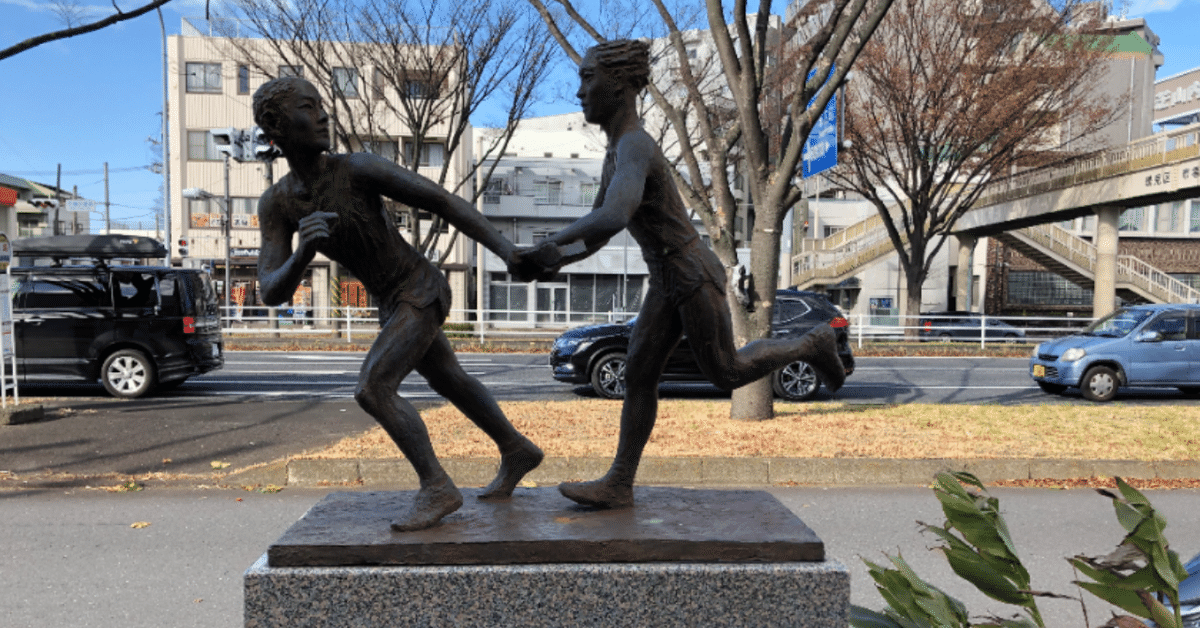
x=361, y=325
x=866, y=328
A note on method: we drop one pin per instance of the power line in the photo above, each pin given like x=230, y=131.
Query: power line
x=43, y=173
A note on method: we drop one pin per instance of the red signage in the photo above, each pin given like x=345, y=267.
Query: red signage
x=8, y=197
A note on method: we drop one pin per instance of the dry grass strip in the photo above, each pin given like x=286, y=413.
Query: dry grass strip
x=699, y=428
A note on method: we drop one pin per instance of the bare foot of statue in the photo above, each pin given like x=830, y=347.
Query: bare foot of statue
x=429, y=506
x=824, y=357
x=602, y=493
x=513, y=466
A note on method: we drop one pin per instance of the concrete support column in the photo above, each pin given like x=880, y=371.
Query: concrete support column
x=1104, y=291
x=320, y=295
x=963, y=288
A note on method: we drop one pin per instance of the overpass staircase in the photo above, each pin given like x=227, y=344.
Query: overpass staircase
x=1074, y=258
x=844, y=254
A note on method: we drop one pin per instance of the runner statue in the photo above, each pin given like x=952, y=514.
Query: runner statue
x=334, y=203
x=687, y=281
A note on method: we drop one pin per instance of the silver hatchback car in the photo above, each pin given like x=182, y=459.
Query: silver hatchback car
x=1140, y=345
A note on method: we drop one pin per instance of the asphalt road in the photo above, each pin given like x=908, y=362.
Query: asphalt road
x=71, y=558
x=265, y=406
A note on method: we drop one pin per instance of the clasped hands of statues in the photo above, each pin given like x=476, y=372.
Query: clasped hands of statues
x=536, y=263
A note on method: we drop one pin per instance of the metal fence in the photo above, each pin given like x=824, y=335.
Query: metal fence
x=361, y=324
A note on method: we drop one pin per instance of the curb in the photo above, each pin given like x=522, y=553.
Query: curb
x=397, y=473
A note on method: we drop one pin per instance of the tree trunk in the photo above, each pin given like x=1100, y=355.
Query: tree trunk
x=912, y=307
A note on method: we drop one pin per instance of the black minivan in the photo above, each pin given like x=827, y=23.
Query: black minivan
x=80, y=315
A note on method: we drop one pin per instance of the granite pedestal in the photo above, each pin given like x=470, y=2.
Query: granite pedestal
x=679, y=557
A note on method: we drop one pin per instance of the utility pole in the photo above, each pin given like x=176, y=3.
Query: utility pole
x=107, y=221
x=228, y=218
x=57, y=199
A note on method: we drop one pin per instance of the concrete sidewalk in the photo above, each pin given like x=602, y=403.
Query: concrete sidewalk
x=398, y=474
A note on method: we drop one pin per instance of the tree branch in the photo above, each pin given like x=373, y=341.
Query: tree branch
x=33, y=42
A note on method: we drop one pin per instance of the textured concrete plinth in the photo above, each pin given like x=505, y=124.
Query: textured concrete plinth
x=679, y=557
x=614, y=595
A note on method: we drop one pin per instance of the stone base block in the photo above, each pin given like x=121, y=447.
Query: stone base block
x=613, y=595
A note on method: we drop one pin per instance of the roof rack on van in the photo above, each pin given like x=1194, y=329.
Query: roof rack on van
x=98, y=247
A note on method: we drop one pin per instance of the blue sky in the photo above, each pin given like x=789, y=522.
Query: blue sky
x=96, y=98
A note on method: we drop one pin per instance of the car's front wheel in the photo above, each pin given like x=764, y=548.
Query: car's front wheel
x=797, y=381
x=1190, y=391
x=1099, y=384
x=1053, y=389
x=128, y=373
x=608, y=376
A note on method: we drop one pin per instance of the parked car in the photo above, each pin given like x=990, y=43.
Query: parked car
x=595, y=354
x=1140, y=345
x=133, y=328
x=964, y=326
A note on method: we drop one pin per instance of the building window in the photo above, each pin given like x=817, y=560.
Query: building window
x=417, y=88
x=243, y=79
x=291, y=71
x=493, y=191
x=203, y=78
x=388, y=149
x=1034, y=288
x=432, y=154
x=596, y=297
x=1169, y=217
x=345, y=82
x=548, y=192
x=377, y=83
x=201, y=147
x=507, y=300
x=587, y=193
x=1133, y=219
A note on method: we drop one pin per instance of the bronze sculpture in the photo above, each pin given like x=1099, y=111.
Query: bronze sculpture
x=687, y=280
x=333, y=202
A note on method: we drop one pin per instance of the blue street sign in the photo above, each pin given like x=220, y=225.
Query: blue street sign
x=820, y=149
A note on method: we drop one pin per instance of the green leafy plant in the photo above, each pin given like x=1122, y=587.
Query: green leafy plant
x=1142, y=569
x=977, y=544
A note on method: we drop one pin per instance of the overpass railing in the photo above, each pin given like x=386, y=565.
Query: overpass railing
x=1163, y=148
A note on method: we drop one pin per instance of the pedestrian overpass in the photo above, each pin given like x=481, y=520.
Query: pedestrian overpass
x=1021, y=211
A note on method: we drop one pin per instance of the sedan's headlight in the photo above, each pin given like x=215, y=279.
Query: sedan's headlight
x=571, y=345
x=1073, y=354
x=1037, y=350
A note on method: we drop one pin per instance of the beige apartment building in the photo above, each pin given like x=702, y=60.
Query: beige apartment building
x=212, y=80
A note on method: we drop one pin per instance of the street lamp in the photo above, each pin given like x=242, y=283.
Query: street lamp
x=199, y=194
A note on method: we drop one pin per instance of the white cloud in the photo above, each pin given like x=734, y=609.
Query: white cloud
x=1139, y=8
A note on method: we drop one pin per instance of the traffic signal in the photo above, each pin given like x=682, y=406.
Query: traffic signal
x=183, y=247
x=228, y=141
x=44, y=202
x=262, y=148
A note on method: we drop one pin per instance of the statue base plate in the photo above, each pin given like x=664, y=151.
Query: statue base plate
x=538, y=526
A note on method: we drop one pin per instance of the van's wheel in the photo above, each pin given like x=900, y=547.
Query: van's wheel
x=128, y=373
x=797, y=381
x=1099, y=384
x=608, y=376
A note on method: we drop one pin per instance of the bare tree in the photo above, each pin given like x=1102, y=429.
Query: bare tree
x=431, y=66
x=722, y=121
x=948, y=96
x=71, y=13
